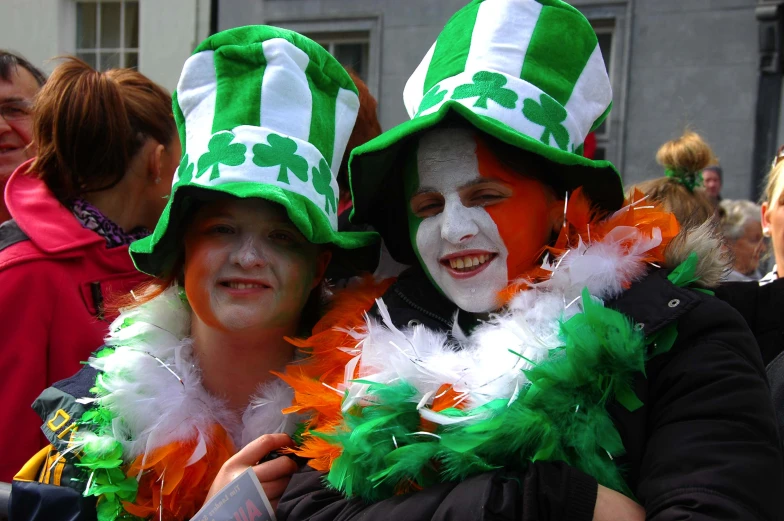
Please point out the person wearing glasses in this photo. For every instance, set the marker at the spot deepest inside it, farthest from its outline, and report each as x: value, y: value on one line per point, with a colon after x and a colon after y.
x: 20, y: 81
x: 107, y: 149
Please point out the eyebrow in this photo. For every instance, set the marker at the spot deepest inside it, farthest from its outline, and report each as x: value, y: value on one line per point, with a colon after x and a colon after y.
x: 469, y: 184
x: 12, y: 98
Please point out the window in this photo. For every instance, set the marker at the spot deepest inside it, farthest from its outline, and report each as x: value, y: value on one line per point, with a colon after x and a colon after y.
x: 351, y: 49
x: 107, y: 33
x: 604, y: 32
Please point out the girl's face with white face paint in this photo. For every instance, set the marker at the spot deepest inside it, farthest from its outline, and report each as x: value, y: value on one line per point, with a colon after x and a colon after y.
x: 247, y: 266
x: 475, y: 223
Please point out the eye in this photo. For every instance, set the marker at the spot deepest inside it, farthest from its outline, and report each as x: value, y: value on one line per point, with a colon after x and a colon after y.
x: 486, y: 197
x: 221, y: 229
x: 282, y: 236
x: 427, y: 205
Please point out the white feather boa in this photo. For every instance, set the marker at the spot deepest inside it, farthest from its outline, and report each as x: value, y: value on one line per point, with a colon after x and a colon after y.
x: 155, y: 389
x: 489, y: 364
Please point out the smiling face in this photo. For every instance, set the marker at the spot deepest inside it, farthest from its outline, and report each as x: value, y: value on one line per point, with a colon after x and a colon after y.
x: 475, y: 223
x: 16, y: 132
x: 248, y: 268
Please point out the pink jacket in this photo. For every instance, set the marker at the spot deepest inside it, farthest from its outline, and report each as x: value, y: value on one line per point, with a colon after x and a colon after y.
x: 52, y: 286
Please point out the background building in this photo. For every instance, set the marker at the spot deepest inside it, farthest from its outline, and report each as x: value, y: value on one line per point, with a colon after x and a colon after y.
x: 673, y: 63
x: 157, y: 36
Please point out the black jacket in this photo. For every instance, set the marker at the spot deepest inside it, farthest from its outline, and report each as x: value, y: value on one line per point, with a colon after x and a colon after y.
x: 762, y: 307
x: 703, y: 447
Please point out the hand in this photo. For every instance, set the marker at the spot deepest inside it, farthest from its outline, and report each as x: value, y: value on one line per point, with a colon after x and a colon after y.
x: 613, y: 506
x: 274, y: 475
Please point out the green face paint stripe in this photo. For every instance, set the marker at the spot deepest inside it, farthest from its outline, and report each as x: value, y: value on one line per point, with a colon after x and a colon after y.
x: 547, y: 47
x: 452, y: 46
x: 239, y: 71
x: 179, y: 120
x: 410, y: 185
x: 322, y: 125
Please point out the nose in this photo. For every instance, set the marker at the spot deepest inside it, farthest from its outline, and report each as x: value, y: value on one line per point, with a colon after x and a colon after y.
x: 249, y: 254
x: 4, y: 125
x: 458, y: 222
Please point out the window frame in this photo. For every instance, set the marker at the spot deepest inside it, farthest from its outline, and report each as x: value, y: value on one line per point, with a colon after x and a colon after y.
x: 122, y: 51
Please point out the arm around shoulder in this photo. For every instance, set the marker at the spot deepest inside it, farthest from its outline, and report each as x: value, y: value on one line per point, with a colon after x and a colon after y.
x: 547, y: 491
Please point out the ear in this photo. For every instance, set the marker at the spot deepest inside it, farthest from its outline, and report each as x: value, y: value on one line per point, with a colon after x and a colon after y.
x: 322, y: 261
x: 155, y: 159
x: 764, y: 218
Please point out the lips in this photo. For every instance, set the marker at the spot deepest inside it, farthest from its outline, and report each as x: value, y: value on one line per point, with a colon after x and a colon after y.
x: 246, y: 285
x: 467, y: 264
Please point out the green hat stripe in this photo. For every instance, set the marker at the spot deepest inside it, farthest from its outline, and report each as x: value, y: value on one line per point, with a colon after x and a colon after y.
x: 239, y: 70
x: 452, y: 46
x: 324, y: 93
x: 547, y: 46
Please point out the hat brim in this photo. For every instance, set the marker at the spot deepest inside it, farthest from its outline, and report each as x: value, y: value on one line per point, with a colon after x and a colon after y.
x: 158, y: 253
x: 378, y: 194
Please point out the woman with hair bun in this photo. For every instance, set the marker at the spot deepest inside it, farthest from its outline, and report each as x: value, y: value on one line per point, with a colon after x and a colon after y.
x: 683, y: 160
x: 107, y: 152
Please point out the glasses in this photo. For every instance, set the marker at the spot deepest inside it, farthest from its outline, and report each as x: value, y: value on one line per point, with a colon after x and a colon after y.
x: 779, y: 156
x: 16, y: 110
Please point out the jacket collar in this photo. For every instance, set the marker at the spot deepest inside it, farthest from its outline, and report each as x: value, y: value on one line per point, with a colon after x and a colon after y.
x: 48, y: 224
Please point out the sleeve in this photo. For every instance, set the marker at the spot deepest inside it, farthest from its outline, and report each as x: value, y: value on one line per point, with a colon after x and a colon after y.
x: 26, y: 310
x: 547, y: 491
x: 712, y: 450
x: 39, y: 494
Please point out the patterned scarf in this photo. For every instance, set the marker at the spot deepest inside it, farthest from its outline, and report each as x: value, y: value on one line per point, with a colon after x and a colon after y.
x: 91, y: 218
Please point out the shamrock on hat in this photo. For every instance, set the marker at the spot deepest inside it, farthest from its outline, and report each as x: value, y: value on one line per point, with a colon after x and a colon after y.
x: 527, y: 72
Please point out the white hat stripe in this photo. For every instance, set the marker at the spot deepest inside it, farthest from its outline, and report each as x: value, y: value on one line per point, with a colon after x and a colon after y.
x: 345, y: 115
x: 286, y: 100
x: 196, y: 94
x: 415, y: 86
x: 590, y: 96
x: 501, y: 36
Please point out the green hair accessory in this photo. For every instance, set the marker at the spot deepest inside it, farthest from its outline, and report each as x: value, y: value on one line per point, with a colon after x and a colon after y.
x: 690, y: 180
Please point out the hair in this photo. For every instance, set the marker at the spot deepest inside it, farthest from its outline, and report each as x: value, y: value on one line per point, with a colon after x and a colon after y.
x: 689, y: 155
x: 89, y: 125
x: 735, y: 215
x: 366, y: 128
x: 10, y: 61
x: 773, y: 185
x: 715, y: 168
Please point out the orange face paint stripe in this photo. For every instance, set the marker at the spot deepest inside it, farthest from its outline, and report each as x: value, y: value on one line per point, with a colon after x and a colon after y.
x: 522, y: 219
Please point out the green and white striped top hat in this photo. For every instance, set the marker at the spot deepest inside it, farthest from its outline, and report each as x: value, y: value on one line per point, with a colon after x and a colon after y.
x: 528, y: 72
x: 261, y: 112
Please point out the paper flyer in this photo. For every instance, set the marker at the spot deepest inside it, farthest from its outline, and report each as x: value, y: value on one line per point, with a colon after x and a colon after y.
x: 241, y: 500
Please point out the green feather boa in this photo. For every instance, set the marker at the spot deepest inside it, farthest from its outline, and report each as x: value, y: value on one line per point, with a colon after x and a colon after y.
x: 560, y: 416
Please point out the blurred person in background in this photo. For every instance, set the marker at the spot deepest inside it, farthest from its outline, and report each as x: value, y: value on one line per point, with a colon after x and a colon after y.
x: 711, y: 182
x: 19, y: 83
x: 761, y: 302
x: 683, y: 159
x: 107, y: 150
x: 740, y: 225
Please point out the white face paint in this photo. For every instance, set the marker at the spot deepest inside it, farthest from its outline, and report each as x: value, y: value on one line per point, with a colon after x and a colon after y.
x: 459, y: 235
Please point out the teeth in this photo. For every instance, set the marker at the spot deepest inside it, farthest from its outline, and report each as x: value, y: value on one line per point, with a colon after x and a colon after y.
x: 242, y: 285
x: 468, y: 262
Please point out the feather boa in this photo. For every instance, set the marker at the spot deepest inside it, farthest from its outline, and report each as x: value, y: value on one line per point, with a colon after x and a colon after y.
x: 154, y: 429
x: 401, y: 409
